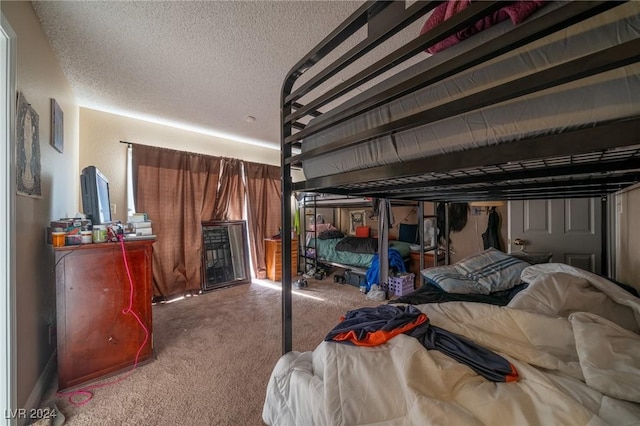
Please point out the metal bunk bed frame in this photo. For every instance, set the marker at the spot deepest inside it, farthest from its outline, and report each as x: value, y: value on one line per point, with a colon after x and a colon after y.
x: 585, y: 162
x: 310, y: 201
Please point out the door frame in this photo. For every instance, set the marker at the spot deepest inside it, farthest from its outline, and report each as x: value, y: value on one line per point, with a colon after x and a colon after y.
x: 8, y: 381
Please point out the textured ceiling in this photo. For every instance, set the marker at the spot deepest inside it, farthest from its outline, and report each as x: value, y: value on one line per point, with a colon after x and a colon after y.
x: 204, y: 65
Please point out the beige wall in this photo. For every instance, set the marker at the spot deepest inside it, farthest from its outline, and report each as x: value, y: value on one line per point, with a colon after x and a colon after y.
x: 628, y: 237
x: 469, y: 240
x: 101, y: 133
x: 40, y: 78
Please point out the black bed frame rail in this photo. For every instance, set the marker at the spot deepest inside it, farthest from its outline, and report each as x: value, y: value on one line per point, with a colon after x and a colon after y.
x: 384, y: 19
x: 519, y: 36
x: 598, y: 139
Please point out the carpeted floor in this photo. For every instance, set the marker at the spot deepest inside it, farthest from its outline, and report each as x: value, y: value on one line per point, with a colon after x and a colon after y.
x: 215, y: 353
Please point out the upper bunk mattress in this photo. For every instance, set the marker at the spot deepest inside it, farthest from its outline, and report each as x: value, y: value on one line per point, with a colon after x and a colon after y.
x: 607, y: 96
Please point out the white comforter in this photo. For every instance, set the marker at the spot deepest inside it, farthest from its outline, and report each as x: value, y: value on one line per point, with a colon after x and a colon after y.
x: 572, y: 336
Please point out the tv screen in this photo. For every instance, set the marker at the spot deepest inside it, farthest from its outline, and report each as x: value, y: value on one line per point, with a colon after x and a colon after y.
x: 96, y: 203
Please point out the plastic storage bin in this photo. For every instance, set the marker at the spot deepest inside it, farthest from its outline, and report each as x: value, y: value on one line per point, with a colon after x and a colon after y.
x: 401, y: 284
x: 355, y: 279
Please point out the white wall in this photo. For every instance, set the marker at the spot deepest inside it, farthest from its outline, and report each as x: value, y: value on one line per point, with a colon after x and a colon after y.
x: 101, y: 133
x: 628, y: 237
x: 40, y: 78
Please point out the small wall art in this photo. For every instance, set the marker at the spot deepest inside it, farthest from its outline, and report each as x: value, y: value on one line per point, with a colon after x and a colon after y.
x: 57, y: 127
x: 356, y: 218
x: 27, y: 150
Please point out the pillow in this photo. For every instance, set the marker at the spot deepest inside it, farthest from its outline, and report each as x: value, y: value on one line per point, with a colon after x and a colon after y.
x: 482, y: 273
x: 321, y: 227
x: 408, y: 233
x: 448, y: 279
x: 494, y: 269
x: 363, y: 231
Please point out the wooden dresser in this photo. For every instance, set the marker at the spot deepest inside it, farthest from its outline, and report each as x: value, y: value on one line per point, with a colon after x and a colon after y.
x: 414, y: 264
x: 95, y: 339
x: 273, y: 258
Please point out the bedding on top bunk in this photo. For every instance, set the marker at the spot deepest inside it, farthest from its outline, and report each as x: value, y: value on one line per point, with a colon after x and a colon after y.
x: 578, y: 362
x: 607, y: 96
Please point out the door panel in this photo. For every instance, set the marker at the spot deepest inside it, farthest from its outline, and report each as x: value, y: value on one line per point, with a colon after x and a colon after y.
x: 582, y: 261
x: 567, y: 228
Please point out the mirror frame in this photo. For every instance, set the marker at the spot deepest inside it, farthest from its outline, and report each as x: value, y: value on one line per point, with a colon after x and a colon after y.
x: 205, y: 285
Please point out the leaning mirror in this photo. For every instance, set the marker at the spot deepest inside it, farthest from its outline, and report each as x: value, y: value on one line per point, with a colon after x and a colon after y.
x: 225, y: 254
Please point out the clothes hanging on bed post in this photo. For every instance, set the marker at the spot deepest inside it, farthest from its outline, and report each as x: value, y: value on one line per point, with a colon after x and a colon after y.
x: 383, y: 240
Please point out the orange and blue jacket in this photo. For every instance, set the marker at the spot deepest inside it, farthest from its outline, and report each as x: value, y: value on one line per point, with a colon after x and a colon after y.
x: 375, y: 326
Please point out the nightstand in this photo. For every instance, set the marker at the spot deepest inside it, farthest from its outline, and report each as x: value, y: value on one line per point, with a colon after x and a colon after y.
x: 273, y: 258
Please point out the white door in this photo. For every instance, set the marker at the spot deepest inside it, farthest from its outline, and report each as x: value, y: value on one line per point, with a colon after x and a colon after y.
x: 567, y: 228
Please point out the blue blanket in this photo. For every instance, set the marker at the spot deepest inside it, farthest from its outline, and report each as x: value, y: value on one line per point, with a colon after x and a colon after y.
x: 395, y: 261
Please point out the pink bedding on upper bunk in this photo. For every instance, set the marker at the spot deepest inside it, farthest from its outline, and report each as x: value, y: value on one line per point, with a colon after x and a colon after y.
x: 517, y: 11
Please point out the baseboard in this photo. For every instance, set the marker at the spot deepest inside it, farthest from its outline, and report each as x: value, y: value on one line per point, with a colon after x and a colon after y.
x: 41, y: 386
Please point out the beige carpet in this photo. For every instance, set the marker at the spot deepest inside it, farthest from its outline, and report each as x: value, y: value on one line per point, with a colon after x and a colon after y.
x: 215, y: 353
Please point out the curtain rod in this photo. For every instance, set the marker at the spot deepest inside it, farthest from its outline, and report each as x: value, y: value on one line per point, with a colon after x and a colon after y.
x: 294, y: 168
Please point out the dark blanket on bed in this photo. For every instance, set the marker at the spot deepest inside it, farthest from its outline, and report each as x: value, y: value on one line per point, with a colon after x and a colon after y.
x: 431, y: 294
x: 358, y: 245
x: 517, y: 11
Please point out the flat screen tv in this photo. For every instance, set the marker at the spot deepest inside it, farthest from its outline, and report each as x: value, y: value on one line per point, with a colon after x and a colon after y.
x: 96, y: 203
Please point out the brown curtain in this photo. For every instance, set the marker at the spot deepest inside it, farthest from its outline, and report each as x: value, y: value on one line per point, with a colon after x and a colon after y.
x: 178, y: 190
x: 264, y: 209
x: 231, y: 191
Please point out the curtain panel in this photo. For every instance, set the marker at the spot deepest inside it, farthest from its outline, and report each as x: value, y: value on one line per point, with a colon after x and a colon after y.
x: 264, y: 210
x: 178, y: 190
x: 231, y: 192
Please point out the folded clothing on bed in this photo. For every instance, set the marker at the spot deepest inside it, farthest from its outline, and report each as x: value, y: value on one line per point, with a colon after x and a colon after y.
x: 375, y: 326
x: 482, y: 273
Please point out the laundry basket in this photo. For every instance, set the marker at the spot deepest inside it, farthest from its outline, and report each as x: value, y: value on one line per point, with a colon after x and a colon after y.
x: 401, y: 284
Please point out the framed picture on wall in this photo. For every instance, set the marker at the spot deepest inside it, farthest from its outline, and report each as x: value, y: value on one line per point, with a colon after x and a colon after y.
x: 356, y: 218
x: 57, y: 132
x: 27, y: 149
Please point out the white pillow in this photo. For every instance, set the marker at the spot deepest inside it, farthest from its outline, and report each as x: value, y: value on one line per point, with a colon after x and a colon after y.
x: 482, y: 273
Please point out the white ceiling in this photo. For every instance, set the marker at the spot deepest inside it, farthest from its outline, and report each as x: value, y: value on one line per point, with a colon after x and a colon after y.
x: 204, y: 65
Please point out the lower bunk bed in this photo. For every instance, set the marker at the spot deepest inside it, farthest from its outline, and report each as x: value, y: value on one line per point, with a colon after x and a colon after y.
x: 563, y: 349
x: 353, y: 252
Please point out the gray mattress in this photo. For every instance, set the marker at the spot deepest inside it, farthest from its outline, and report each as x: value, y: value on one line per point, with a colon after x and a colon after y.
x: 607, y: 96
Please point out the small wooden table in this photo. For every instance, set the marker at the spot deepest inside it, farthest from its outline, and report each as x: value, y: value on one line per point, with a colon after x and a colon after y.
x: 414, y: 264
